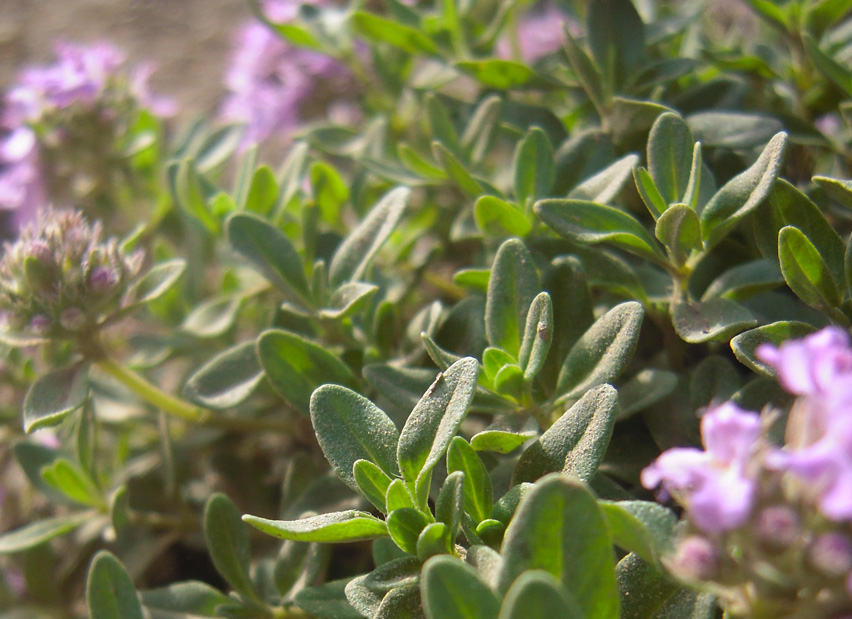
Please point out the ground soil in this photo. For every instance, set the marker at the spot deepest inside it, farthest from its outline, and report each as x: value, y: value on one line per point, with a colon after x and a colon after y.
x: 188, y: 39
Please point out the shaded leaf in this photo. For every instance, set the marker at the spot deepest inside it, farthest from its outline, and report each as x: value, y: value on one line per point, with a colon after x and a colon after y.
x: 227, y: 380
x: 345, y: 526
x: 53, y: 396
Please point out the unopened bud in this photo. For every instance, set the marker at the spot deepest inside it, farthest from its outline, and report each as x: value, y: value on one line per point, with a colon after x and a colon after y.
x: 696, y: 558
x: 40, y: 324
x: 831, y: 553
x: 777, y: 526
x: 72, y: 319
x: 102, y: 279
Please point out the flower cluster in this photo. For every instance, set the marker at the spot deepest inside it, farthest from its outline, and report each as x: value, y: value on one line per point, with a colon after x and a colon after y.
x: 769, y: 526
x: 63, y: 125
x: 270, y: 82
x: 60, y: 279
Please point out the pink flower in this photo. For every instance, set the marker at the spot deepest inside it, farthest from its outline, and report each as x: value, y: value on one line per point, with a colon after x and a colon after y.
x: 539, y: 33
x: 714, y: 484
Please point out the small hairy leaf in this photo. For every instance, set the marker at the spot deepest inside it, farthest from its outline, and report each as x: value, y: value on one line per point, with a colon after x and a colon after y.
x: 110, y: 593
x: 536, y: 594
x: 227, y: 543
x: 53, y: 396
x: 346, y: 526
x: 227, y: 380
x: 452, y: 589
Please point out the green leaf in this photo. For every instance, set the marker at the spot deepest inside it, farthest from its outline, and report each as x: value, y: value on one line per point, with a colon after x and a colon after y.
x: 744, y: 280
x: 329, y: 189
x: 272, y: 253
x: 576, y: 443
x: 647, y: 387
x: 110, y: 593
x: 498, y: 218
x: 775, y: 334
x: 605, y: 185
x: 400, y: 603
x: 456, y: 170
x: 534, y: 166
x: 680, y: 231
x: 649, y: 193
x: 733, y: 130
x: 670, y: 147
x: 218, y: 146
x: 433, y: 540
x: 400, y: 386
x: 452, y: 589
x: 498, y: 73
x: 588, y: 72
x: 805, y: 271
x: 481, y: 131
x: 828, y: 66
x: 372, y: 482
x: 263, y: 191
x: 404, y: 526
x: 449, y: 507
x: 296, y: 367
x: 228, y: 544
x: 616, y: 40
x: 345, y: 526
x: 590, y: 222
x: 603, y: 351
x: 838, y: 190
x: 639, y: 526
x: 536, y: 594
x: 352, y: 257
x: 347, y: 300
x: 350, y: 428
x: 477, y: 487
x: 511, y: 289
x: 327, y: 601
x: 435, y: 420
x: 381, y: 30
x: 398, y: 496
x: 714, y: 320
x: 73, y: 482
x: 558, y: 528
x: 191, y: 597
x: 743, y: 193
x: 500, y: 441
x: 40, y: 531
x: 53, y: 396
x: 155, y: 283
x: 393, y: 574
x: 509, y: 382
x: 227, y: 380
x: 212, y: 318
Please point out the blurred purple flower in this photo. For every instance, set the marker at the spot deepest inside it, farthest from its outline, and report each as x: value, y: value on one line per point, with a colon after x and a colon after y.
x: 818, y: 368
x: 539, y: 33
x: 270, y: 82
x: 715, y: 484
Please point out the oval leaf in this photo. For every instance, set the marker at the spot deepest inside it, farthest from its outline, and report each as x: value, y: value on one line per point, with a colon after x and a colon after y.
x: 53, y: 396
x: 452, y: 589
x: 227, y: 380
x: 346, y: 526
x: 110, y: 593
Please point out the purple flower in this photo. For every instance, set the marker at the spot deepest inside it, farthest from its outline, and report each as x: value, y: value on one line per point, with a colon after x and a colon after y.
x: 715, y: 485
x: 20, y: 180
x: 818, y: 368
x: 269, y: 81
x: 539, y: 33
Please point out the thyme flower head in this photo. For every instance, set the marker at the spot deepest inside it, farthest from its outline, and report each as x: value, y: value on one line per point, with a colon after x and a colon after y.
x: 61, y: 279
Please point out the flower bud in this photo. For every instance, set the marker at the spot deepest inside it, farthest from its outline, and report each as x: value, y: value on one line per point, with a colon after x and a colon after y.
x: 696, y: 558
x: 72, y: 319
x: 777, y: 526
x: 40, y: 324
x: 831, y: 553
x: 102, y: 279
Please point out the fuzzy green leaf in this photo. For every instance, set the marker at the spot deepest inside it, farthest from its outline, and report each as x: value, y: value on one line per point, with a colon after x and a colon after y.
x: 497, y: 218
x: 452, y: 589
x: 590, y: 222
x: 40, y: 531
x: 372, y: 482
x: 616, y: 40
x: 227, y: 543
x: 53, y: 396
x: 714, y: 320
x: 404, y: 526
x: 498, y: 73
x: 534, y: 166
x: 346, y: 526
x: 775, y: 334
x: 477, y: 488
x: 350, y: 428
x: 640, y: 526
x: 536, y: 594
x: 272, y: 253
x: 538, y: 336
x: 670, y: 147
x: 649, y: 193
x: 805, y: 270
x: 155, y: 283
x: 296, y: 366
x: 603, y: 351
x: 382, y: 30
x: 558, y: 528
x: 191, y: 597
x: 352, y: 257
x: 577, y: 442
x: 511, y: 290
x: 680, y: 231
x: 227, y: 380
x: 435, y: 420
x: 743, y: 193
x: 110, y: 593
x: 602, y: 187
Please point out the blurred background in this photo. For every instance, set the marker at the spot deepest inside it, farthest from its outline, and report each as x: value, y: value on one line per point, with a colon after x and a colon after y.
x: 189, y: 40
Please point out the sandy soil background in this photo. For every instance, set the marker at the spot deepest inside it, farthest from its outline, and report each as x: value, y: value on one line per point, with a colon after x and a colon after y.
x: 188, y: 39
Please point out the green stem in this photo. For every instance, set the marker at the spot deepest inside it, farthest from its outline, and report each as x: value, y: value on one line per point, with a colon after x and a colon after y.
x: 153, y: 394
